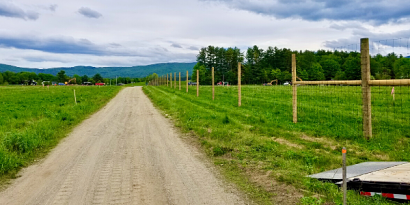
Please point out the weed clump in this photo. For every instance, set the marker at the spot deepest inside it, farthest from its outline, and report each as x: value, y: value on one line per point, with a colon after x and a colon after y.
x: 219, y: 151
x: 225, y: 120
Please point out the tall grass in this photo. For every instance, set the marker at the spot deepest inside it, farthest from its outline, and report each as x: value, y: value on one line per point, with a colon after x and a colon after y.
x: 34, y: 119
x: 261, y: 135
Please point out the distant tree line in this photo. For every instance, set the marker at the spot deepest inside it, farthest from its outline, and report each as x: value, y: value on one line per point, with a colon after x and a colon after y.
x: 262, y: 66
x: 9, y: 77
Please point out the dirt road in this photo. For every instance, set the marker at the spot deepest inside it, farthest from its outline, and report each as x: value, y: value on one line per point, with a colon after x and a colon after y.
x: 127, y: 153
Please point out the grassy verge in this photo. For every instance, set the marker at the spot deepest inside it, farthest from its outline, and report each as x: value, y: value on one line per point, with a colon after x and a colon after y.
x: 34, y: 119
x: 260, y: 139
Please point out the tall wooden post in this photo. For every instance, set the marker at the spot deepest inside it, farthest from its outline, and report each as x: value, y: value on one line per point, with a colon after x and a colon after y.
x: 75, y: 98
x: 197, y: 83
x: 295, y: 90
x: 186, y: 81
x: 179, y: 80
x: 213, y: 84
x: 170, y: 79
x: 239, y: 85
x: 167, y: 80
x: 175, y: 80
x: 366, y: 91
x: 344, y: 176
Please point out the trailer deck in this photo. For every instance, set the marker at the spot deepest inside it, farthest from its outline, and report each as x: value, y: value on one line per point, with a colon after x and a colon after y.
x: 389, y: 179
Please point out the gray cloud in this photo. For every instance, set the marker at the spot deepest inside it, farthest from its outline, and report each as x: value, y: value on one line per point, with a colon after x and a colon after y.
x: 375, y: 11
x: 193, y: 48
x: 115, y: 45
x: 11, y: 10
x: 53, y: 45
x: 87, y: 12
x: 68, y: 45
x: 53, y: 7
x: 176, y: 45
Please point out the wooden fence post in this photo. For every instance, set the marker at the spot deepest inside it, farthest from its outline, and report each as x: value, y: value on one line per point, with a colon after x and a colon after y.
x: 75, y: 98
x: 170, y: 79
x: 179, y: 80
x: 295, y: 90
x: 213, y: 85
x: 366, y: 91
x: 167, y: 80
x: 187, y: 81
x: 197, y: 83
x: 239, y: 85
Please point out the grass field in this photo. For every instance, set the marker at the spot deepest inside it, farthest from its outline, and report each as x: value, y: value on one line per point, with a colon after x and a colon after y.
x: 260, y: 137
x: 34, y: 119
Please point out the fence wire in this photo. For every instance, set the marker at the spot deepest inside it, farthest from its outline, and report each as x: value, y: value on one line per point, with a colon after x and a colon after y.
x: 330, y: 110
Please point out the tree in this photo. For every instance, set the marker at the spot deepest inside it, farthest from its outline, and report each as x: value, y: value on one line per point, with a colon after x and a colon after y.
x: 352, y: 68
x: 402, y: 68
x: 14, y: 79
x: 303, y: 74
x: 61, y: 76
x: 316, y: 72
x: 1, y: 79
x: 84, y: 79
x: 330, y: 68
x: 340, y: 75
x: 202, y: 73
x: 77, y: 79
x: 46, y: 77
x: 98, y: 78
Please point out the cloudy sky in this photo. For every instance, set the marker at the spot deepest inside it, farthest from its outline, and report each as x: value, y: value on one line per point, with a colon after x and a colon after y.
x: 47, y: 33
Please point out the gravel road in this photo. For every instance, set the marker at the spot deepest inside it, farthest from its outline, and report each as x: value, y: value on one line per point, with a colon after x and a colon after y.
x: 127, y: 153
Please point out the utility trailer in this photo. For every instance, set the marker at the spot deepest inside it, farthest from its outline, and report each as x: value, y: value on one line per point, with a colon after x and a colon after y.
x: 389, y: 179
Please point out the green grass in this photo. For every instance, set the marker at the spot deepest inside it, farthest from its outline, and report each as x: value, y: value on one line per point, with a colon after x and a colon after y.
x: 34, y: 119
x: 260, y: 134
x: 137, y: 84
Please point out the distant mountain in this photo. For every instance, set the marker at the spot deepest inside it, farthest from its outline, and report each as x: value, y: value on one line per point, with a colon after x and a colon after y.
x: 110, y: 72
x: 407, y: 57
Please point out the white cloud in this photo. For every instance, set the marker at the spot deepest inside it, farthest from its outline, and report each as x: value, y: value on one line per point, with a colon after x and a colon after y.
x: 155, y: 31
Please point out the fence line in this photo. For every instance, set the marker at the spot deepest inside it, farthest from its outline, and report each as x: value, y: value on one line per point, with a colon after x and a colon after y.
x: 366, y: 83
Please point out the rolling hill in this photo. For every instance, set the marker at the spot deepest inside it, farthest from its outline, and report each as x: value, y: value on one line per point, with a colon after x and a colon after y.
x: 110, y: 72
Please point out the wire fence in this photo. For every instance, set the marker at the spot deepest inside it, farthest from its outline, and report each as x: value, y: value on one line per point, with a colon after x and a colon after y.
x: 329, y: 108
